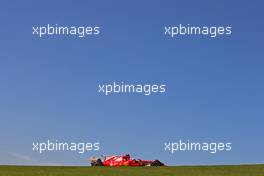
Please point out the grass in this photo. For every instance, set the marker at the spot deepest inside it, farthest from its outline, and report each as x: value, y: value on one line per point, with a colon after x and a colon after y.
x: 237, y: 170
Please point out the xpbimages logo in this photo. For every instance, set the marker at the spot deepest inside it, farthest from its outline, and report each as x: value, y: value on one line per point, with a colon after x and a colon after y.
x: 123, y: 88
x: 193, y: 30
x: 80, y: 147
x: 187, y: 145
x: 78, y: 31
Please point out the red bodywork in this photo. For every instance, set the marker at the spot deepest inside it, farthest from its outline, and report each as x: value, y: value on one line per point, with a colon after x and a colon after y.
x: 124, y: 161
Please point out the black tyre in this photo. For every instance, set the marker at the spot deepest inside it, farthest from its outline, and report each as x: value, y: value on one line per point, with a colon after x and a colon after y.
x: 156, y: 163
x: 98, y: 162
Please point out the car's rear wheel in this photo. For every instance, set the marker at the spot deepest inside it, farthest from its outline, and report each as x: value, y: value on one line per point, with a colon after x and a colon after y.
x: 98, y: 162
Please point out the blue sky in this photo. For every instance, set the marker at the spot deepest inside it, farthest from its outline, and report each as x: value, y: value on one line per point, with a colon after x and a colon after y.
x: 49, y: 86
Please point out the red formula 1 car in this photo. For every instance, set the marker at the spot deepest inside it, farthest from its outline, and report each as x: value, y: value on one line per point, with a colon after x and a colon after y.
x: 124, y: 160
